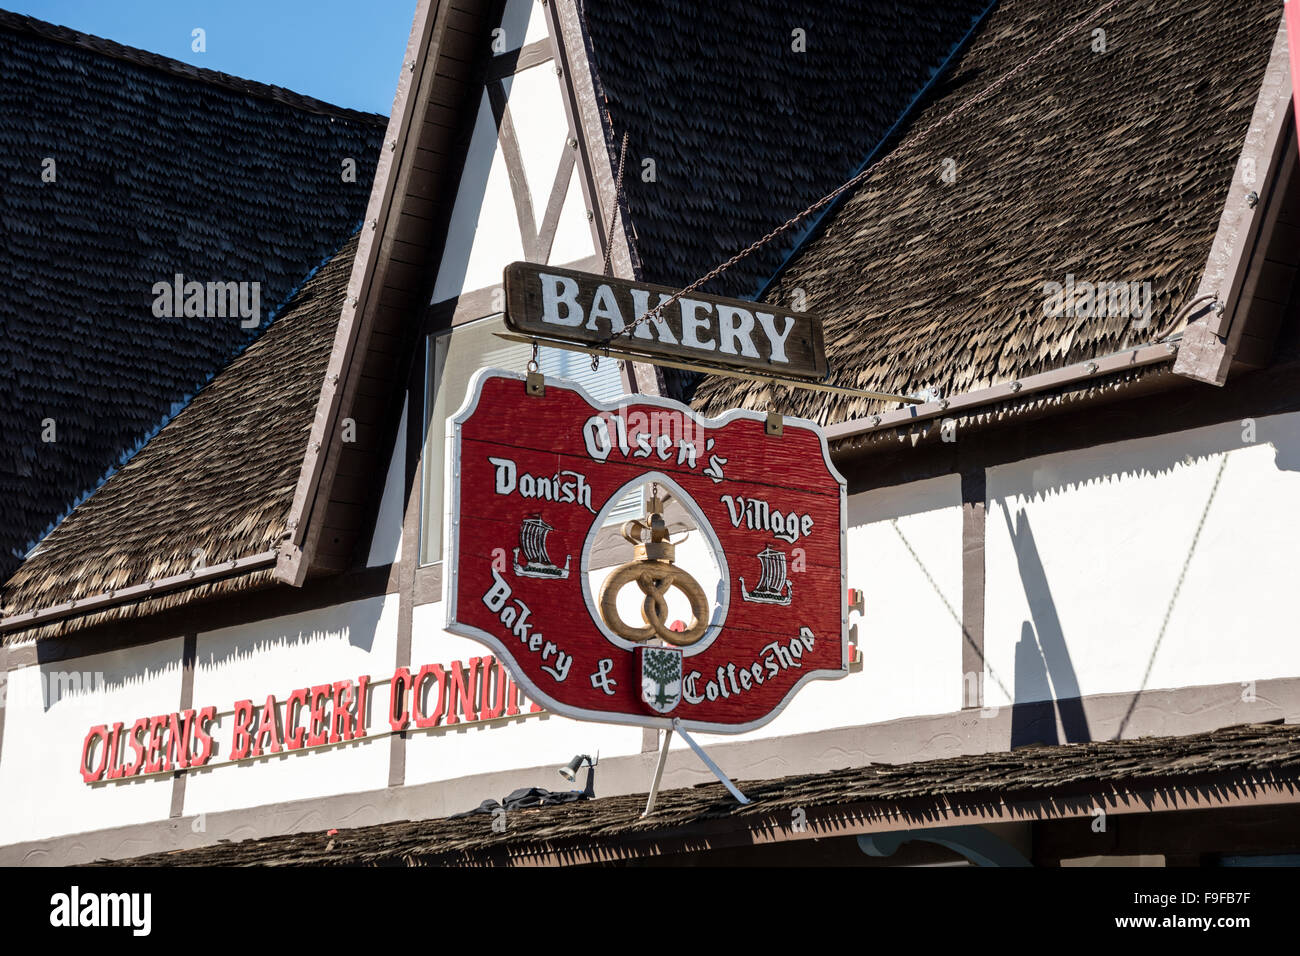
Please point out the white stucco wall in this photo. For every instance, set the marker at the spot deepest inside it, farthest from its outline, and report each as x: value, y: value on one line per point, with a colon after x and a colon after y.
x: 484, y: 234
x: 42, y: 793
x: 444, y: 753
x: 523, y: 22
x: 1085, y: 551
x: 909, y: 637
x: 386, y: 543
x: 276, y: 657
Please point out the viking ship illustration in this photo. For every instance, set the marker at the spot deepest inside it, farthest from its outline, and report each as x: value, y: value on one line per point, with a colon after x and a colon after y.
x: 532, y: 540
x: 773, y: 586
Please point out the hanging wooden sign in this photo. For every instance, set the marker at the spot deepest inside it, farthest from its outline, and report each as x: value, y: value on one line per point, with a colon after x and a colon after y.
x: 589, y: 309
x: 530, y: 481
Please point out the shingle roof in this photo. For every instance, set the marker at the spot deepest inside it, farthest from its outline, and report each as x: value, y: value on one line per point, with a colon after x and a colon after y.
x: 219, y: 477
x: 1109, y: 167
x: 1039, y: 771
x: 160, y: 168
x: 744, y: 129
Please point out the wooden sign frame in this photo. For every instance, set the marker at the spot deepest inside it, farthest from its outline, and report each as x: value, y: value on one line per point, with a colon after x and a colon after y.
x: 491, y: 521
x: 589, y: 310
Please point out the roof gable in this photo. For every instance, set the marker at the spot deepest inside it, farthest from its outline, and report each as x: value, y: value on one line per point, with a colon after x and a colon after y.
x: 1090, y: 167
x: 160, y: 169
x: 210, y: 494
x: 751, y: 112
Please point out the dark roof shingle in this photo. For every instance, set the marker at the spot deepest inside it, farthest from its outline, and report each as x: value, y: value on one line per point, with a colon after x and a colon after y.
x: 745, y: 130
x: 1108, y: 167
x: 219, y: 477
x: 160, y: 168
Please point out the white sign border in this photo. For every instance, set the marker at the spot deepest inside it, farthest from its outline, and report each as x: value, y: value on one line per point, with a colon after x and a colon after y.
x: 451, y: 556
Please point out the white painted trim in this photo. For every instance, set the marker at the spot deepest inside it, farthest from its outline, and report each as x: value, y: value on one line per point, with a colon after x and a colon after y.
x: 967, y: 402
x: 1210, y: 343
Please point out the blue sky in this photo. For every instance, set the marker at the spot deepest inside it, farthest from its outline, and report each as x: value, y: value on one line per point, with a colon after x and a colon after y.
x: 346, y: 52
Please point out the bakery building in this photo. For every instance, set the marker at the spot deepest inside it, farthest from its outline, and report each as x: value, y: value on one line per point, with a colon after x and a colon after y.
x: 1072, y: 241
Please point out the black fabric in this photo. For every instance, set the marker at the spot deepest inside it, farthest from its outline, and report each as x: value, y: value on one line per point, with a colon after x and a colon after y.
x: 527, y: 797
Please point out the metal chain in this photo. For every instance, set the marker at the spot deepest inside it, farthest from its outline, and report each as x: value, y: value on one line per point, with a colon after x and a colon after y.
x: 657, y: 311
x: 613, y: 218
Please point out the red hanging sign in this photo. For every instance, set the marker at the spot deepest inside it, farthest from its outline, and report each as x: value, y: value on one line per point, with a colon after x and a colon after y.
x: 531, y: 480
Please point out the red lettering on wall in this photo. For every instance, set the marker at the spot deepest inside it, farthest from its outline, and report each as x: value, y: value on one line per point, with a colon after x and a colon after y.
x: 317, y: 734
x: 461, y: 705
x: 363, y: 685
x: 154, y: 744
x: 341, y: 721
x: 100, y: 734
x: 266, y: 729
x: 293, y: 734
x: 512, y: 693
x: 115, y: 768
x: 206, y: 746
x: 422, y: 720
x: 493, y: 675
x: 133, y: 738
x: 179, y: 730
x: 337, y: 713
x: 240, y: 739
x: 401, y: 683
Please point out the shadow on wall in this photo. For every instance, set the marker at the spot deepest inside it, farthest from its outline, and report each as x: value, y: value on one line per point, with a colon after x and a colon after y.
x: 70, y: 679
x: 359, y: 626
x: 1161, y: 456
x: 119, y: 670
x: 1042, y: 657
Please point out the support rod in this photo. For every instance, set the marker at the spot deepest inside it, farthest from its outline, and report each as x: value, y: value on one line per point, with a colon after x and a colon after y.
x: 713, y: 369
x: 659, y: 773
x: 717, y: 771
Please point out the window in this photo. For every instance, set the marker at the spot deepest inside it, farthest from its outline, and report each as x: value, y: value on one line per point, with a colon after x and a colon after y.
x: 452, y: 358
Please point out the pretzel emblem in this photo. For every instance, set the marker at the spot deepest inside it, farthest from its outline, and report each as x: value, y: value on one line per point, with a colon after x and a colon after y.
x: 655, y: 574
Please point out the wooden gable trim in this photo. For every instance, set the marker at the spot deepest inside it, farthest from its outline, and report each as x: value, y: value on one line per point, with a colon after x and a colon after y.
x: 580, y: 107
x: 584, y: 99
x: 515, y: 171
x: 371, y: 353
x: 481, y: 303
x: 1211, y: 341
x: 516, y: 61
x: 538, y: 237
x: 360, y: 302
x: 1271, y: 281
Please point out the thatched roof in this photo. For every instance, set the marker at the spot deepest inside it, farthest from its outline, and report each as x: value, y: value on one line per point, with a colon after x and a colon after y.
x: 702, y: 817
x: 159, y: 168
x: 1106, y: 166
x: 219, y: 477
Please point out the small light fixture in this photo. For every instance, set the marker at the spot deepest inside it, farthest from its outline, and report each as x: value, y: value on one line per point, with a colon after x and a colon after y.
x: 570, y: 772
